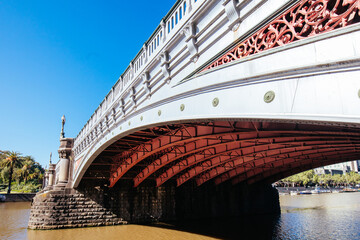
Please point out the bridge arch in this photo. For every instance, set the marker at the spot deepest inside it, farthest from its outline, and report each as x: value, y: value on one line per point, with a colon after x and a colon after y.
x: 234, y: 92
x: 223, y: 150
x: 273, y: 64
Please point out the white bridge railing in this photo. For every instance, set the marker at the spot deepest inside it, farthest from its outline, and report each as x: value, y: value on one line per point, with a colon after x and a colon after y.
x: 185, y: 40
x: 123, y: 96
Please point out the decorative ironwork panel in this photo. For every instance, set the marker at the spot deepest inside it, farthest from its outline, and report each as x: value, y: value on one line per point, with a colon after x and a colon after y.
x: 307, y: 18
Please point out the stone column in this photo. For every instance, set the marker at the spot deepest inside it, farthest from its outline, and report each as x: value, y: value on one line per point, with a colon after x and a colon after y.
x: 51, y: 175
x: 64, y: 151
x: 46, y: 179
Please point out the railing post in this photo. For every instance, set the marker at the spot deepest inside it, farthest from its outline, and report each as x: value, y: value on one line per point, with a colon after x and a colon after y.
x: 132, y: 72
x: 189, y: 6
x: 163, y: 27
x: 146, y: 53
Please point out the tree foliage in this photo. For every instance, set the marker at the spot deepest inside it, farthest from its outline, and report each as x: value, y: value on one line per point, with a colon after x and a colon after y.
x: 19, y: 172
x: 310, y: 178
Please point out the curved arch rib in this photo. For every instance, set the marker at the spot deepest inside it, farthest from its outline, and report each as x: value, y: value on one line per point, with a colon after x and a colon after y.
x: 176, y: 137
x: 242, y: 170
x: 231, y: 162
x: 267, y: 173
x: 218, y: 146
x: 197, y: 143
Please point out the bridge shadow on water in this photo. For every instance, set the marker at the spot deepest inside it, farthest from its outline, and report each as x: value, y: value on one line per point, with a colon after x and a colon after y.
x: 249, y: 227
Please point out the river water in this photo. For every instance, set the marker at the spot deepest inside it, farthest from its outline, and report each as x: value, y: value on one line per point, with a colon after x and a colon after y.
x: 323, y: 216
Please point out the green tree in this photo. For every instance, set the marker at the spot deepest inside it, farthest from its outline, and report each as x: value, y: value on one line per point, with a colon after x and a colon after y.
x: 12, y: 160
x: 26, y: 170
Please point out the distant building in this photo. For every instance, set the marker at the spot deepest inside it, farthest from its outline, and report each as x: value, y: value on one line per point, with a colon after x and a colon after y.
x: 339, y: 168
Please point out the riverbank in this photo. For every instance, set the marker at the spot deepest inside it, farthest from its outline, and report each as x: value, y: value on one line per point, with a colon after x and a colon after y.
x: 312, y: 190
x: 17, y: 197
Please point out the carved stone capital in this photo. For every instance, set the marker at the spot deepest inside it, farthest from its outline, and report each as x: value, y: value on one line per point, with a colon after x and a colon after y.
x: 113, y: 112
x: 189, y: 31
x: 133, y: 97
x: 122, y: 107
x: 164, y: 59
x: 232, y: 14
x: 63, y: 153
x: 146, y: 82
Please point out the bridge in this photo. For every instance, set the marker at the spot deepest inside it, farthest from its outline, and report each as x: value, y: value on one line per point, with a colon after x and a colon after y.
x: 224, y: 95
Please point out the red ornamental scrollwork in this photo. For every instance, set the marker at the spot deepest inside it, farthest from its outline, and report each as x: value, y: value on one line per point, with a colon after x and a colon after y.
x: 305, y: 19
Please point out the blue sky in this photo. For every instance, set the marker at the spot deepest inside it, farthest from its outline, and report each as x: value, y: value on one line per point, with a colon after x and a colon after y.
x: 62, y: 57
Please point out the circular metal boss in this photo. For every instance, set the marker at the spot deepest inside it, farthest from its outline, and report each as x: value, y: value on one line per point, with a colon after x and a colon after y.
x: 269, y: 96
x: 141, y: 118
x: 159, y: 112
x: 215, y: 102
x: 182, y: 107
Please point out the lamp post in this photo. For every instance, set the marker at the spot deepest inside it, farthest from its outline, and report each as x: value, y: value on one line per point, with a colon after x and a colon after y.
x: 62, y: 134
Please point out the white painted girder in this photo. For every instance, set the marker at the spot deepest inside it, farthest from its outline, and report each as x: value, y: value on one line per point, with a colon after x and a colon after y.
x: 314, y: 80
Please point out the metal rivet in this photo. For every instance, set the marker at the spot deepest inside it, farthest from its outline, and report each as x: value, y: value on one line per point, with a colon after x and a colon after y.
x: 129, y: 123
x: 182, y: 107
x: 141, y: 118
x: 159, y: 112
x: 120, y: 128
x: 215, y: 102
x: 359, y: 93
x: 113, y: 133
x: 269, y: 96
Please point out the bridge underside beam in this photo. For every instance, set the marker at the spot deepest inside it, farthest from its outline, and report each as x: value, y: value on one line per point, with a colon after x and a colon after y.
x: 222, y: 151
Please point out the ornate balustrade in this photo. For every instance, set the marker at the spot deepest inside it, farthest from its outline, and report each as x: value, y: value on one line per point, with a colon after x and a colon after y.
x: 123, y: 96
x: 187, y: 41
x: 190, y: 31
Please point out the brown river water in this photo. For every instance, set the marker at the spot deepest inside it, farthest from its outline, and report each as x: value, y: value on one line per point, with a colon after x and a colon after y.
x: 323, y: 216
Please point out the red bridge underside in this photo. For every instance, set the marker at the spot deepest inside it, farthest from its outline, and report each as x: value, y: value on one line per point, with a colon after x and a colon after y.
x: 221, y: 151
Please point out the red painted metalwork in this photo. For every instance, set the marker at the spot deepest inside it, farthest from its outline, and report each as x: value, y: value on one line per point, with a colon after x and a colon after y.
x: 272, y: 175
x: 183, y: 134
x: 249, y: 162
x: 220, y: 150
x: 204, y: 163
x: 305, y: 19
x: 265, y: 173
x: 214, y: 167
x: 217, y: 146
x: 243, y: 173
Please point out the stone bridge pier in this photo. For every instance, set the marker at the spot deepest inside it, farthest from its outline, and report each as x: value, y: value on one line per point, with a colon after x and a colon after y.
x: 224, y: 98
x: 95, y: 204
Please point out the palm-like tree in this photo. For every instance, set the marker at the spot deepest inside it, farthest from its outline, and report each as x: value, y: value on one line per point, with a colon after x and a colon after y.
x: 12, y: 160
x: 27, y: 167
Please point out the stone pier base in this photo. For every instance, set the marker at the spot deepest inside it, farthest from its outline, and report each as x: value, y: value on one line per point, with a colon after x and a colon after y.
x: 68, y: 209
x: 92, y: 205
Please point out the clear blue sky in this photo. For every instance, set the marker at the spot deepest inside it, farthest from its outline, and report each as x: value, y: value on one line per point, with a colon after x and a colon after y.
x: 62, y: 57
